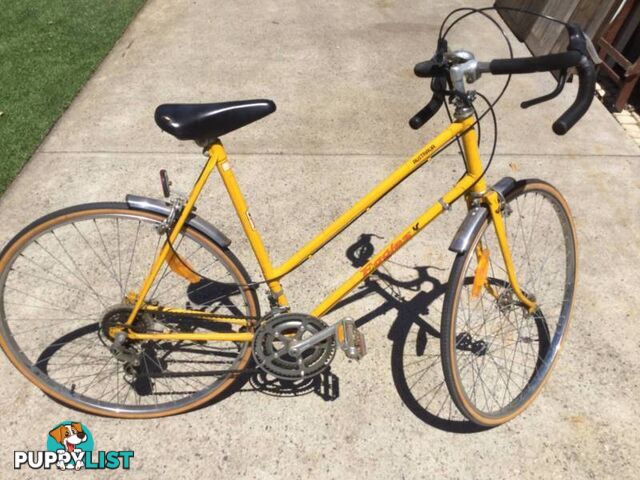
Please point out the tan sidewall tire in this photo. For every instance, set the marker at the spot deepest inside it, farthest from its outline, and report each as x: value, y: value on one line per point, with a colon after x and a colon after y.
x: 230, y: 262
x: 453, y: 381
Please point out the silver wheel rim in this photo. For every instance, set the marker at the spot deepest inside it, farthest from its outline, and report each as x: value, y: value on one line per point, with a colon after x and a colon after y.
x: 502, y: 354
x: 93, y: 376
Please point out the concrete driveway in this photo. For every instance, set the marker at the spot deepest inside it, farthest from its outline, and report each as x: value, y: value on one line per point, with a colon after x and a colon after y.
x: 341, y: 75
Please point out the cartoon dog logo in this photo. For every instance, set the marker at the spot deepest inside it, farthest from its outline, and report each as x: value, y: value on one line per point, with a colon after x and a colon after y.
x: 69, y: 436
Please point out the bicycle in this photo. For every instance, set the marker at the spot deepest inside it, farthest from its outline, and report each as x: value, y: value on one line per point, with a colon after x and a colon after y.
x: 74, y: 324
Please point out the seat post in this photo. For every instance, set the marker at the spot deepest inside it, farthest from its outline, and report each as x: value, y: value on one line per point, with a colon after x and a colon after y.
x: 219, y: 156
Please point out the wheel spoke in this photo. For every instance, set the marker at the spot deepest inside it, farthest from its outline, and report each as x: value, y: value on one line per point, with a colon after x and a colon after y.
x: 494, y: 333
x: 62, y: 285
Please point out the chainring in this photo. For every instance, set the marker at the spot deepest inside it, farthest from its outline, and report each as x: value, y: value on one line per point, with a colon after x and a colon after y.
x: 273, y: 337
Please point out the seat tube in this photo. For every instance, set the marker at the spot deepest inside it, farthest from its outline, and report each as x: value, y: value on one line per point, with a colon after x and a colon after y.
x: 172, y: 236
x: 242, y: 210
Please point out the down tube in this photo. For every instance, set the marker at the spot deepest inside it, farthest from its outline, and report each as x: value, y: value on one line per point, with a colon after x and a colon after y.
x: 423, y: 156
x: 407, y: 234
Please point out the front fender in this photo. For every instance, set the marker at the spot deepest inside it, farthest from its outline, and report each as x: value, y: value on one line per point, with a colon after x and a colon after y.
x: 476, y: 216
x: 136, y: 202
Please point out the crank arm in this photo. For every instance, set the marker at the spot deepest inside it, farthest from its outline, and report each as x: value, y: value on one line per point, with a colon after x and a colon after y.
x: 297, y: 348
x: 347, y: 336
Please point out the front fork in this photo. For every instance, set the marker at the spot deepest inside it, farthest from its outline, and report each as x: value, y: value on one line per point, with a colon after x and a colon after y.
x: 495, y: 206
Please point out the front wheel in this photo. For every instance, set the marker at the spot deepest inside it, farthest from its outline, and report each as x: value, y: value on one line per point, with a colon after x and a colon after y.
x: 496, y: 355
x: 66, y: 279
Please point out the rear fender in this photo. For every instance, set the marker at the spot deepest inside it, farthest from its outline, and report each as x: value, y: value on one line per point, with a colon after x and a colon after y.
x: 136, y: 202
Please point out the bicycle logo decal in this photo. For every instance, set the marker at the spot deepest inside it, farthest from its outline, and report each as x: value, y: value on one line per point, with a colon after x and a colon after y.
x: 70, y: 446
x: 370, y: 267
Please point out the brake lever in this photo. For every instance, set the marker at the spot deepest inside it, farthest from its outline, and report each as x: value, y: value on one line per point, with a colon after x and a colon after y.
x: 591, y: 50
x: 580, y: 41
x: 535, y: 101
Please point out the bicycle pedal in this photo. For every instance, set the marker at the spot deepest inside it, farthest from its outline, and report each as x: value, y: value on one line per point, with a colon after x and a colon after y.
x: 350, y: 339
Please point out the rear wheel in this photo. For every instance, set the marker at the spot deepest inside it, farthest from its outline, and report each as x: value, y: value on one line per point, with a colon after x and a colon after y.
x: 496, y: 355
x: 64, y: 282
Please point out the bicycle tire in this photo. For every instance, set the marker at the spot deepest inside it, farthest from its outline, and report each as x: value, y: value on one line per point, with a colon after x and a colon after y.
x: 460, y: 349
x: 33, y: 371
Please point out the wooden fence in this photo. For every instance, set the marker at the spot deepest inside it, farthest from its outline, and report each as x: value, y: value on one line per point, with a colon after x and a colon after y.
x: 542, y: 36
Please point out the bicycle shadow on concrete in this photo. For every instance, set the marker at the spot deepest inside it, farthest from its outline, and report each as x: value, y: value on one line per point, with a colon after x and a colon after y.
x: 415, y: 354
x: 155, y: 362
x: 415, y: 357
x: 415, y: 336
x: 326, y: 385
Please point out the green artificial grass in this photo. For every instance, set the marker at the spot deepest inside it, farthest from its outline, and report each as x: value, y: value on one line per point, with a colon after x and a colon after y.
x: 48, y: 50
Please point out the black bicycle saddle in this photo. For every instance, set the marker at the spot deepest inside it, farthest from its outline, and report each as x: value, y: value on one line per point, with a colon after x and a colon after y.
x: 208, y: 121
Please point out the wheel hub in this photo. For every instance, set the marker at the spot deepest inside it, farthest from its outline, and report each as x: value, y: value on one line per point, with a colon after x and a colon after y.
x: 112, y: 330
x: 115, y: 318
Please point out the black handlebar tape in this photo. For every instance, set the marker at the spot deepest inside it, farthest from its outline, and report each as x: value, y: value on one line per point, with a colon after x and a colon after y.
x: 545, y: 63
x: 429, y: 69
x: 423, y: 69
x: 424, y: 115
x: 586, y: 91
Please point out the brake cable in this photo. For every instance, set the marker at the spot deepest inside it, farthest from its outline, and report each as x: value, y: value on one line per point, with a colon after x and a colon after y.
x: 490, y: 105
x: 478, y: 117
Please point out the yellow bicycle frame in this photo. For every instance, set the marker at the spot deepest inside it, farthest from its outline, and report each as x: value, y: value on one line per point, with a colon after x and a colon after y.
x: 469, y: 184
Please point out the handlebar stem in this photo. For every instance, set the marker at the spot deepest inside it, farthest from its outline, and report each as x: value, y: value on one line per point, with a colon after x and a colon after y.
x: 463, y: 68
